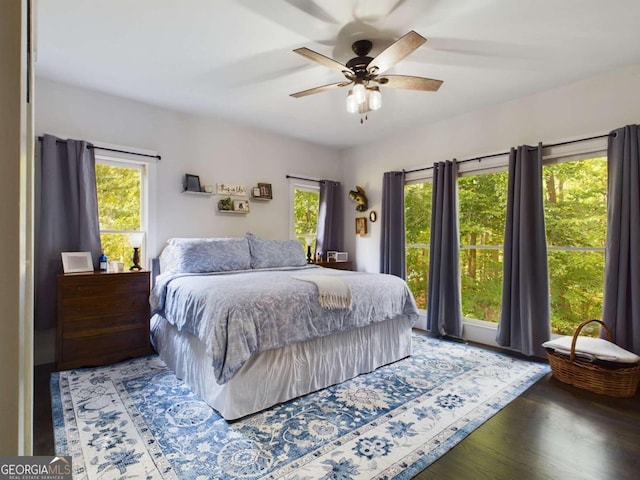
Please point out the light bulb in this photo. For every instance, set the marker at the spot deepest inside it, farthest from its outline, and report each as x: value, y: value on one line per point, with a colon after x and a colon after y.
x: 352, y: 105
x: 375, y: 98
x: 360, y: 93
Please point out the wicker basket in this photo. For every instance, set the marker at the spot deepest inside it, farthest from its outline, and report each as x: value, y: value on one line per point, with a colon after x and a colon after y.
x: 615, y: 382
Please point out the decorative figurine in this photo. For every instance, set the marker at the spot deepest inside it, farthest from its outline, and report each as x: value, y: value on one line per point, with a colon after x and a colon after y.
x: 360, y: 198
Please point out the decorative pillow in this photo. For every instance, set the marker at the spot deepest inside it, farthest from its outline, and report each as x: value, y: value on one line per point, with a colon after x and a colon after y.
x: 211, y: 255
x: 275, y: 253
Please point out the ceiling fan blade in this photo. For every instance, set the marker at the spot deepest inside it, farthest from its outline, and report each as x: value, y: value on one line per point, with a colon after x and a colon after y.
x: 314, y: 10
x: 321, y: 59
x: 410, y: 83
x: 396, y: 52
x: 323, y: 88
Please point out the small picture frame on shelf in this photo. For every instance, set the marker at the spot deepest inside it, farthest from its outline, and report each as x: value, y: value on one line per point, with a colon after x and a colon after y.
x: 241, y: 206
x: 265, y: 190
x: 77, y: 262
x: 256, y: 192
x: 361, y: 225
x: 192, y: 183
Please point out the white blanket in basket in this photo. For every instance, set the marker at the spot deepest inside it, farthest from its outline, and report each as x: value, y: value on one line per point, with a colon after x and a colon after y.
x: 592, y: 349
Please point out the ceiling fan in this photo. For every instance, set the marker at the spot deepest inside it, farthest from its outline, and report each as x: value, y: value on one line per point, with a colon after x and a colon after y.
x: 366, y: 74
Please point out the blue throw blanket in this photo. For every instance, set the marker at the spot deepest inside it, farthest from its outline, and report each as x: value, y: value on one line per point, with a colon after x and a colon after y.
x: 235, y: 314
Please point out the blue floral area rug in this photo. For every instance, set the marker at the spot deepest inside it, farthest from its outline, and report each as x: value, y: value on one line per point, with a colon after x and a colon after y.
x: 137, y: 420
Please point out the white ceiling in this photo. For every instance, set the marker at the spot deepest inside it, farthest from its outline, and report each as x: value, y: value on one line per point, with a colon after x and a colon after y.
x: 234, y: 59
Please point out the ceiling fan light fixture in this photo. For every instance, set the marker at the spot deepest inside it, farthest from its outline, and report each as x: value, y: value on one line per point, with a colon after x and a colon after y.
x: 363, y: 72
x: 360, y: 93
x: 352, y: 104
x: 375, y: 98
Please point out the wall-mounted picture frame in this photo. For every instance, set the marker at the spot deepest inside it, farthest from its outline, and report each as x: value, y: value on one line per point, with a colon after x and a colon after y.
x: 192, y: 183
x: 73, y: 262
x: 241, y: 206
x: 373, y: 216
x: 265, y: 190
x: 256, y: 192
x: 229, y: 189
x: 361, y: 225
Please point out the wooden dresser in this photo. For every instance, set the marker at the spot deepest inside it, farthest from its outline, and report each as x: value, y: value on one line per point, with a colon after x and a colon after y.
x: 102, y: 318
x: 337, y: 265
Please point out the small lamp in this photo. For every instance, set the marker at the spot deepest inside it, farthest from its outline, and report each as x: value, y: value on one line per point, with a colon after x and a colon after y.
x: 135, y: 239
x: 308, y: 239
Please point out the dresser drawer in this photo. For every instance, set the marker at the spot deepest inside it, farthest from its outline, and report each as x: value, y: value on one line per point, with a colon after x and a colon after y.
x: 80, y: 308
x: 92, y: 326
x: 102, y: 349
x: 111, y: 284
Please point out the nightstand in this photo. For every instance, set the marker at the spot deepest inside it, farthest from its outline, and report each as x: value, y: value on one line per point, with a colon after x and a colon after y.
x: 102, y: 318
x: 337, y: 265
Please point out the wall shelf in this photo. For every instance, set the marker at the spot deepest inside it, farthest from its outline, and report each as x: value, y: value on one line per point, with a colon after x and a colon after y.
x: 233, y: 211
x: 197, y: 194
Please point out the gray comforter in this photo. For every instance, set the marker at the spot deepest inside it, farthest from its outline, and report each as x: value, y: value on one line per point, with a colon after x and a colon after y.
x: 238, y: 313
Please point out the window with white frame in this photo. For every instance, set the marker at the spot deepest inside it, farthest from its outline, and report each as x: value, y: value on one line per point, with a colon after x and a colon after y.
x: 575, y: 218
x: 122, y: 206
x: 305, y: 201
x: 482, y: 207
x: 417, y: 204
x: 575, y: 199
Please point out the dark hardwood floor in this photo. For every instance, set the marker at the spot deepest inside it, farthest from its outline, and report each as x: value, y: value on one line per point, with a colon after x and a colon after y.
x: 42, y: 419
x: 552, y: 431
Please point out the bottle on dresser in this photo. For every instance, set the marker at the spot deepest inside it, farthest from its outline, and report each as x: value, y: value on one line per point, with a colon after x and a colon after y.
x: 103, y: 262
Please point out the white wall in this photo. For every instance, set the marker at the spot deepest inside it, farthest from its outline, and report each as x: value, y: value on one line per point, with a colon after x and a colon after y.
x: 589, y: 107
x: 216, y: 150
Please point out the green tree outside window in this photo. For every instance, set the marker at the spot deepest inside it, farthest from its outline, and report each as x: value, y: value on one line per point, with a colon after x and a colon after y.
x: 119, y: 208
x: 575, y: 218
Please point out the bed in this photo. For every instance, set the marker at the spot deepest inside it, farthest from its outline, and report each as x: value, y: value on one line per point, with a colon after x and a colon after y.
x: 246, y: 323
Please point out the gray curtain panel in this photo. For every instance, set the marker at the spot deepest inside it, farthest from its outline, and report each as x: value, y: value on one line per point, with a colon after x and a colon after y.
x: 66, y: 216
x: 621, y: 309
x: 444, y: 305
x: 329, y: 236
x: 392, y: 256
x: 525, y: 319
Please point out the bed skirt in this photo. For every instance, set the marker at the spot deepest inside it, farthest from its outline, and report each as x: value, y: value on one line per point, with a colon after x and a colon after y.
x: 285, y: 373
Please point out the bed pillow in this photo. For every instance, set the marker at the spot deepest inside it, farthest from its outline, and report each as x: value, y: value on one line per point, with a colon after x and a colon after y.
x: 211, y: 255
x: 275, y: 253
x: 179, y: 240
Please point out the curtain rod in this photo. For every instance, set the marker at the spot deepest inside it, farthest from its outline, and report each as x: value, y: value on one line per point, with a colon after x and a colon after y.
x: 307, y: 179
x: 479, y: 159
x: 111, y: 149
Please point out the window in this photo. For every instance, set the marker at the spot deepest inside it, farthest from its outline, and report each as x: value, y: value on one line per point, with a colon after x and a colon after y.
x: 417, y: 204
x: 121, y: 206
x: 576, y: 223
x: 575, y: 217
x: 306, y: 201
x: 482, y: 206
